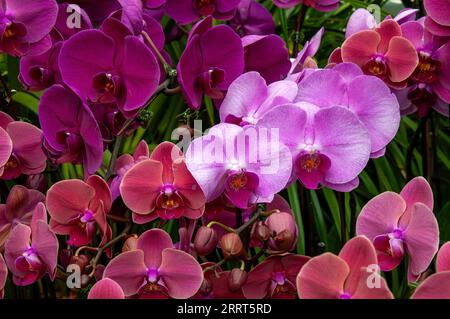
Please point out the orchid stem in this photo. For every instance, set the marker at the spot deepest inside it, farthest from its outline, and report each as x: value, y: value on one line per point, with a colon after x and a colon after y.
x: 114, y: 155
x: 158, y: 54
x: 412, y: 145
x: 298, y: 28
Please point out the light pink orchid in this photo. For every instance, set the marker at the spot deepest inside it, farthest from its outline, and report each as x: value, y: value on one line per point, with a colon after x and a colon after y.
x: 156, y: 269
x: 106, y: 289
x: 78, y: 208
x: 3, y: 275
x: 32, y: 251
x: 400, y: 224
x: 382, y: 52
x: 23, y: 146
x: 18, y: 208
x: 437, y: 286
x: 345, y: 276
x: 162, y: 187
x: 274, y: 277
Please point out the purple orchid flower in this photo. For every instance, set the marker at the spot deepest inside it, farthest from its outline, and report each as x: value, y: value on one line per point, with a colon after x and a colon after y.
x: 252, y: 18
x: 188, y: 11
x: 366, y: 96
x: 126, y: 73
x: 32, y: 251
x: 304, y: 59
x: 26, y: 156
x: 400, y: 224
x: 319, y: 5
x: 39, y: 72
x: 155, y: 268
x: 98, y: 10
x: 437, y: 21
x: 249, y: 98
x: 242, y: 163
x: 18, y: 208
x: 273, y: 67
x: 212, y: 60
x: 3, y: 276
x: 430, y: 82
x: 5, y: 149
x: 70, y: 129
x: 66, y: 26
x: 25, y: 26
x: 329, y: 154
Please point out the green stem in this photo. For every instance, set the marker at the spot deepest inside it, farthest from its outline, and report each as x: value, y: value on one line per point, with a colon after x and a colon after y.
x: 115, y: 153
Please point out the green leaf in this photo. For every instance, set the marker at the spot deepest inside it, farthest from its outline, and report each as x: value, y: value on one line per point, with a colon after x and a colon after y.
x: 333, y: 205
x: 295, y: 205
x: 26, y: 100
x: 319, y: 218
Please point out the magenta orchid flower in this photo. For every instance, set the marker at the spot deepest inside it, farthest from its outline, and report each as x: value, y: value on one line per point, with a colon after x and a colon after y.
x: 382, y: 52
x: 26, y: 156
x: 437, y: 286
x: 70, y: 129
x: 188, y: 11
x: 319, y: 5
x: 106, y: 289
x: 437, y: 21
x: 98, y: 10
x: 25, y: 26
x: 230, y: 160
x: 32, y: 251
x: 3, y: 276
x: 252, y: 18
x: 79, y: 208
x: 162, y: 187
x: 39, y: 72
x: 127, y: 72
x: 274, y: 277
x: 273, y: 67
x: 18, y: 208
x: 331, y: 155
x: 155, y: 267
x: 430, y: 82
x: 5, y: 149
x: 212, y: 60
x: 366, y: 96
x: 249, y: 98
x: 124, y: 163
x: 402, y: 224
x: 345, y: 276
x: 64, y: 30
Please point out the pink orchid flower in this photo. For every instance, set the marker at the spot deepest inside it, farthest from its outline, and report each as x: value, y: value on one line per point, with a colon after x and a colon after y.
x: 382, y: 52
x: 31, y: 252
x: 162, y: 187
x: 155, y: 268
x: 24, y: 147
x: 345, y: 276
x: 3, y: 276
x: 124, y: 163
x: 437, y: 21
x: 437, y: 286
x: 400, y: 224
x: 216, y: 284
x: 106, y: 289
x: 274, y: 277
x: 18, y: 208
x: 77, y: 207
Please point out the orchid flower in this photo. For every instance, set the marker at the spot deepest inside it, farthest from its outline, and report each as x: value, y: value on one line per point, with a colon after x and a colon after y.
x: 155, y: 267
x: 402, y: 224
x: 252, y: 18
x: 78, y: 208
x: 345, y: 276
x: 106, y: 289
x: 3, y: 276
x: 32, y: 251
x: 162, y: 187
x: 319, y: 5
x: 437, y: 20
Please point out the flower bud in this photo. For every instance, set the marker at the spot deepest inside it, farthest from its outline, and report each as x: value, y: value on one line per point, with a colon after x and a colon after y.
x: 231, y: 245
x: 37, y: 182
x: 205, y: 241
x: 262, y: 232
x: 81, y: 260
x: 284, y: 240
x: 206, y: 287
x: 85, y: 280
x: 237, y: 279
x: 130, y: 244
x: 284, y: 231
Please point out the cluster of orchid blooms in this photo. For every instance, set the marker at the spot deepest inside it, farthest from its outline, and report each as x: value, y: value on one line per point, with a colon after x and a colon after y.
x: 282, y: 120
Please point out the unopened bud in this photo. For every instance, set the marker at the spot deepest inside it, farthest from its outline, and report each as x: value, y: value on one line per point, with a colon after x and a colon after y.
x: 85, y: 280
x: 237, y: 279
x: 130, y: 244
x: 284, y: 240
x: 231, y: 245
x: 262, y: 232
x: 205, y: 241
x: 81, y: 260
x: 206, y: 287
x: 37, y: 182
